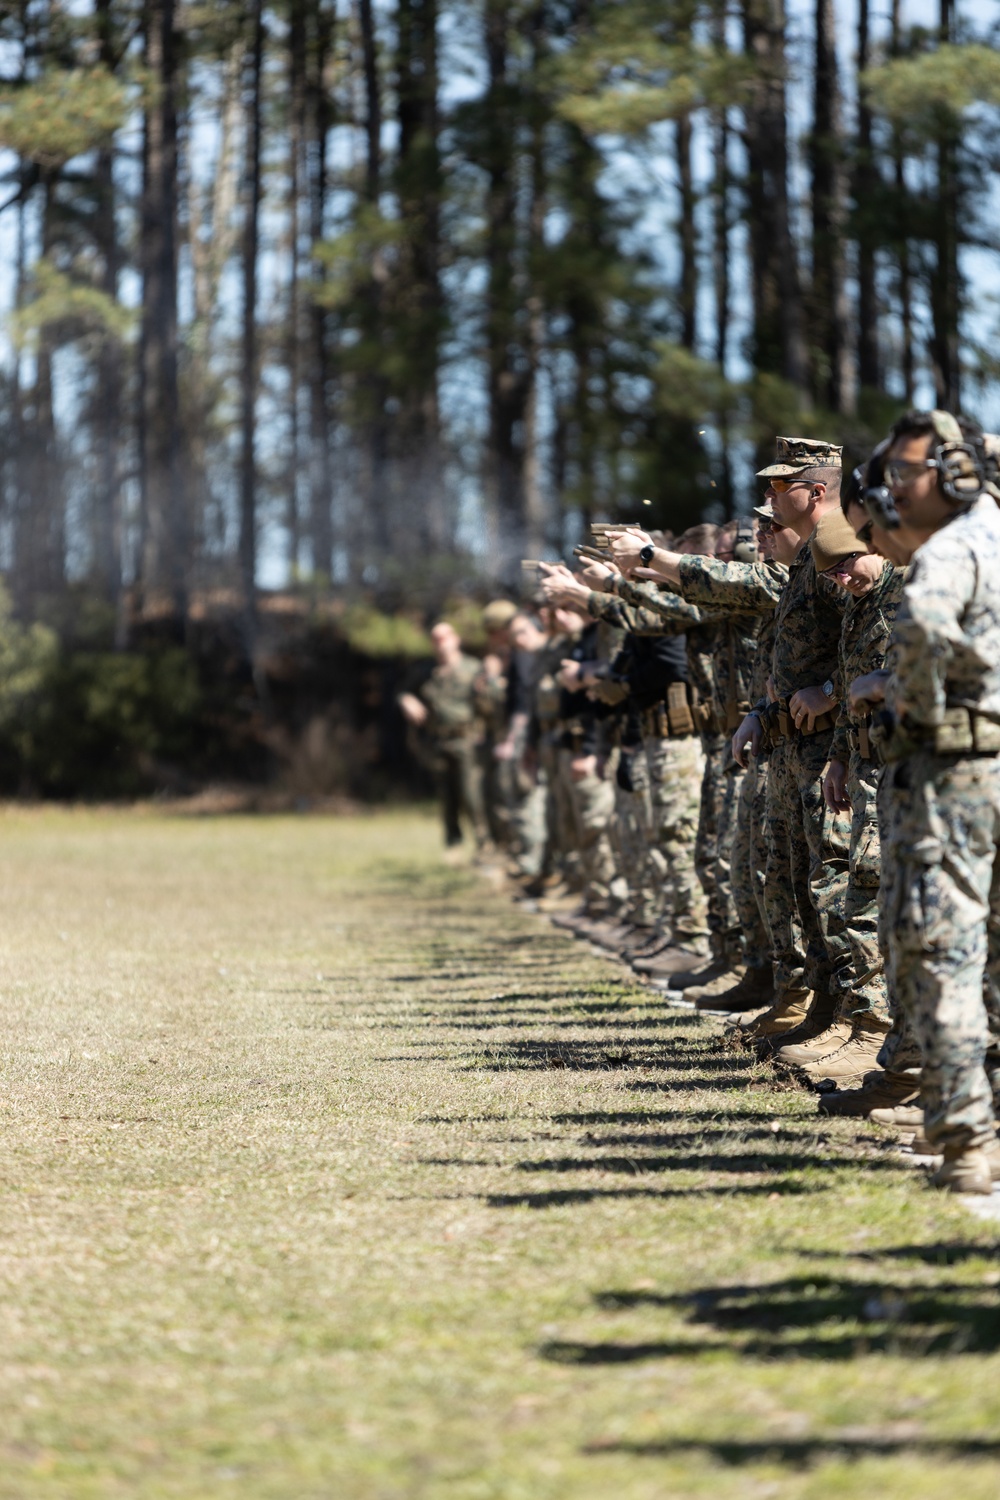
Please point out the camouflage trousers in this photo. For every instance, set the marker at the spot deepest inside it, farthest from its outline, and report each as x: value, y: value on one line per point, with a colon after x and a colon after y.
x: 900, y: 1051
x: 459, y: 782
x: 561, y: 853
x: 863, y: 984
x: 675, y: 768
x: 747, y: 863
x: 716, y: 827
x: 807, y: 867
x: 944, y: 924
x: 593, y: 801
x: 632, y: 819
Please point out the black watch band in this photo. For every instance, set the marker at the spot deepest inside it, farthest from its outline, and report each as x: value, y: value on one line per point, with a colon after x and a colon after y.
x: 646, y: 554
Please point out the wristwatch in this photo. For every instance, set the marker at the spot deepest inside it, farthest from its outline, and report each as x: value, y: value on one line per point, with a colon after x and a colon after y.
x: 828, y: 689
x: 646, y: 554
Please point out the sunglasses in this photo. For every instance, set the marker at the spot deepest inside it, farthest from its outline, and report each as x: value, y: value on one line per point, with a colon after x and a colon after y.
x: 764, y: 528
x: 898, y: 474
x: 782, y: 486
x: 842, y: 565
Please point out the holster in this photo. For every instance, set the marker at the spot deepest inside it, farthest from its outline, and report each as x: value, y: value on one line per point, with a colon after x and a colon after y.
x: 679, y: 716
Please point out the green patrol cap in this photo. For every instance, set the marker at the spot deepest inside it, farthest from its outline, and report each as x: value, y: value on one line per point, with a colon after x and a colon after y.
x: 792, y: 455
x: 498, y: 614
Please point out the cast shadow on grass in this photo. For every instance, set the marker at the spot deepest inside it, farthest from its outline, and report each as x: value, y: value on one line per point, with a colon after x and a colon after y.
x: 802, y: 1453
x: 582, y: 1053
x: 941, y: 1254
x: 719, y: 1161
x: 559, y: 1197
x: 824, y: 1318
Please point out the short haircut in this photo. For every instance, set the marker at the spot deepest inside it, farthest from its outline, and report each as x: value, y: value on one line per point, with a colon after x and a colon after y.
x: 702, y: 537
x: 821, y: 474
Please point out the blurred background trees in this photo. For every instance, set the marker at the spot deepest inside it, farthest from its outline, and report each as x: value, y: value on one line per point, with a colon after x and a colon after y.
x: 365, y: 298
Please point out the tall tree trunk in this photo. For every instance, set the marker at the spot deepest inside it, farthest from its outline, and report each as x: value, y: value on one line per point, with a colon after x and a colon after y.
x: 503, y: 455
x: 688, y: 298
x: 165, y: 544
x: 721, y: 268
x: 777, y: 338
x: 297, y: 127
x: 249, y: 357
x: 110, y: 373
x: 374, y: 417
x: 537, y: 525
x: 834, y: 372
x: 945, y: 280
x: 905, y: 270
x: 420, y: 186
x: 320, y: 415
x: 867, y: 183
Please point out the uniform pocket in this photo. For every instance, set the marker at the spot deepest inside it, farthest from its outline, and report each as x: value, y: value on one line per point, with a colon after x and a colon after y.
x: 866, y: 857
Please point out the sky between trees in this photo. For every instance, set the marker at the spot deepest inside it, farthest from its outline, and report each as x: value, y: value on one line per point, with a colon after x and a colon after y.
x: 361, y: 295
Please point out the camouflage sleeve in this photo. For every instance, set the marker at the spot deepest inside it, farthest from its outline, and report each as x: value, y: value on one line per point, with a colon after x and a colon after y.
x: 612, y: 610
x: 674, y: 613
x: 840, y: 745
x: 750, y: 588
x: 928, y: 628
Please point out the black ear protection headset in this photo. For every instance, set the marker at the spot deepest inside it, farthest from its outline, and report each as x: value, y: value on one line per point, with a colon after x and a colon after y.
x: 745, y: 541
x: 959, y: 462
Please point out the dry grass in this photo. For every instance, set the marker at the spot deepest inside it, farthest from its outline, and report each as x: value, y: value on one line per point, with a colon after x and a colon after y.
x: 326, y: 1173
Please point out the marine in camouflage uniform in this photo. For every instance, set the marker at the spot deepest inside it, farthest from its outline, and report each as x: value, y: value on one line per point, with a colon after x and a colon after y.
x: 864, y: 640
x: 747, y: 594
x: 584, y: 739
x: 943, y: 784
x: 454, y: 729
x: 668, y: 894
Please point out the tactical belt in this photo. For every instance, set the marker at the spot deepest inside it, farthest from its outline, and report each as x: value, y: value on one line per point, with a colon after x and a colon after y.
x: 962, y: 731
x: 672, y: 720
x: 705, y: 718
x: 783, y: 725
x: 860, y: 739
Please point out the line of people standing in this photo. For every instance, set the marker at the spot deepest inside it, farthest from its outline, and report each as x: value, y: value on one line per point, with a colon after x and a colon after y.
x: 763, y: 760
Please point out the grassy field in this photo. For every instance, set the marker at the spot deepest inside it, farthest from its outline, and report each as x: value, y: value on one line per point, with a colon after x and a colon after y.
x: 327, y: 1172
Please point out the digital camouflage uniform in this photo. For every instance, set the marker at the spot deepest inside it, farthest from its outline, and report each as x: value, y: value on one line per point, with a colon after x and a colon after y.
x: 747, y: 594
x: 454, y: 729
x: 559, y: 853
x: 864, y: 639
x: 668, y: 891
x: 808, y: 847
x: 592, y: 796
x: 944, y: 815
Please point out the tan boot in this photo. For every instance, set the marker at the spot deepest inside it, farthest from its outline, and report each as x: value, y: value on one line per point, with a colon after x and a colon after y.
x: 815, y: 1021
x: 723, y: 982
x: 880, y: 1090
x: 854, y: 1059
x: 673, y: 960
x: 784, y: 1015
x: 828, y: 1041
x: 972, y: 1170
x: 901, y: 1115
x: 753, y: 991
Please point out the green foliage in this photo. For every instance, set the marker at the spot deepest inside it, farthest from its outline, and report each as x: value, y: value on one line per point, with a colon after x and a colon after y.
x: 374, y: 633
x: 62, y: 114
x: 27, y: 657
x: 914, y: 92
x: 72, y: 305
x: 93, y: 723
x: 688, y: 388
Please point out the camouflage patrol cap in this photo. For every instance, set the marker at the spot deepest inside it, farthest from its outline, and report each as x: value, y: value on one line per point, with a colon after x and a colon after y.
x: 765, y: 511
x: 498, y: 614
x: 793, y: 455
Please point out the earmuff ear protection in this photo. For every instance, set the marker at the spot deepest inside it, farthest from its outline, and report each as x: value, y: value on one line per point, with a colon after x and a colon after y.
x: 876, y: 497
x: 960, y: 465
x: 745, y: 542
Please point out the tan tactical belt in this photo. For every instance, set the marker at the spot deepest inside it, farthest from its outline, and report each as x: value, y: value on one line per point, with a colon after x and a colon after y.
x: 783, y: 725
x: 860, y: 740
x: 672, y: 720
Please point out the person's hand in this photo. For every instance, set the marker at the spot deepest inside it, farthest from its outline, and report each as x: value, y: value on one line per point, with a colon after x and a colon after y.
x: 414, y: 711
x: 806, y: 705
x: 626, y: 546
x: 562, y: 589
x: 503, y: 750
x: 568, y: 675
x: 866, y: 691
x: 597, y: 574
x: 582, y: 766
x: 835, y: 788
x: 747, y: 739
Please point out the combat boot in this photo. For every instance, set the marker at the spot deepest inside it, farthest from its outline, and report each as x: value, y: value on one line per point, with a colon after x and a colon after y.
x: 827, y: 1042
x: 814, y: 1022
x: 653, y: 945
x: 574, y: 921
x: 720, y: 985
x: 855, y: 1058
x: 903, y: 1116
x: 784, y: 1016
x: 755, y: 989
x: 674, y: 959
x: 609, y: 934
x: 971, y: 1169
x: 880, y: 1090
